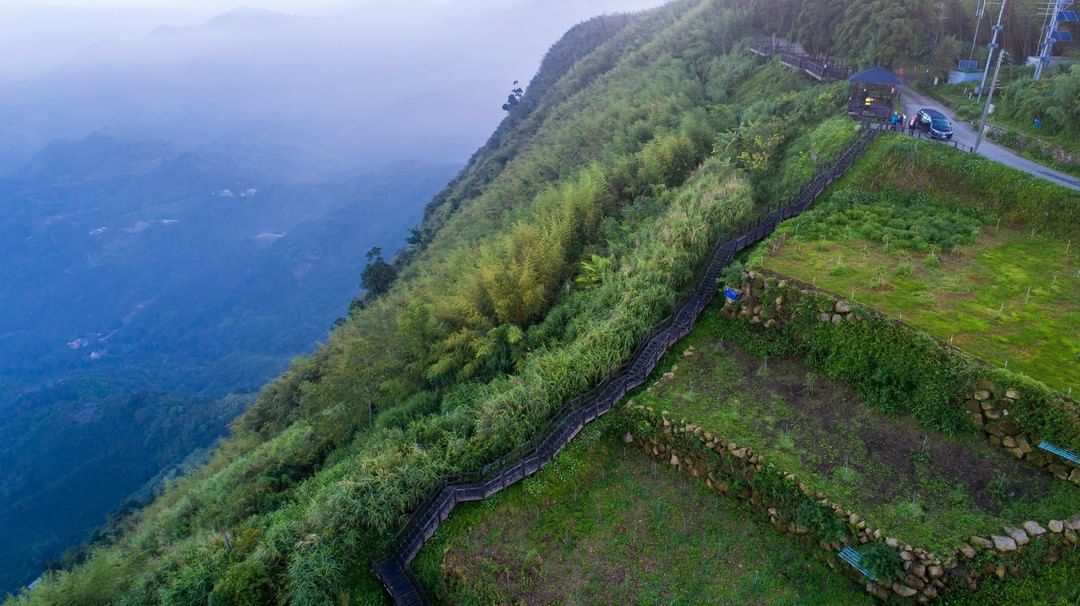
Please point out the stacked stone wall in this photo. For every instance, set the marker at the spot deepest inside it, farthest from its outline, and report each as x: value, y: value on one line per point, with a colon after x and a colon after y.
x: 731, y: 470
x: 767, y: 299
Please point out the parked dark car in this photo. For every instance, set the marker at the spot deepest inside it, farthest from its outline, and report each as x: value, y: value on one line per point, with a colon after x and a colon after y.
x: 933, y: 123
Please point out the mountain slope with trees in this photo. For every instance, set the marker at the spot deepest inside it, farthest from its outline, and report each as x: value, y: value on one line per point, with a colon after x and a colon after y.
x: 640, y: 140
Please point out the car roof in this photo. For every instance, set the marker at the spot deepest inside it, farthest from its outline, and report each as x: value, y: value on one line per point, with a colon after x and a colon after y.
x: 933, y: 113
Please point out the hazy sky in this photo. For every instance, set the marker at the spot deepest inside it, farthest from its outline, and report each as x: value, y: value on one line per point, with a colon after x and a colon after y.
x: 349, y: 81
x: 39, y: 33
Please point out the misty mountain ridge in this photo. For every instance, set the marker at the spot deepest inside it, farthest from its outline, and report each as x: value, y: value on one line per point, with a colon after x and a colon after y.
x: 141, y: 283
x: 379, y: 82
x: 111, y: 153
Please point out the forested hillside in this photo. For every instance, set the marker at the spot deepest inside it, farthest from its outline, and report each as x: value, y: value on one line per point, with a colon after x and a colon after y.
x: 535, y: 273
x: 895, y: 34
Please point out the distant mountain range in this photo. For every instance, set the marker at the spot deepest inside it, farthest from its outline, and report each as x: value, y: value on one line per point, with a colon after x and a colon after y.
x: 142, y: 283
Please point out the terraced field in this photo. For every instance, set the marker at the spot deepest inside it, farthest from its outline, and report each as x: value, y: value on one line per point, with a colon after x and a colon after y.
x: 922, y: 486
x: 606, y: 525
x: 1010, y: 297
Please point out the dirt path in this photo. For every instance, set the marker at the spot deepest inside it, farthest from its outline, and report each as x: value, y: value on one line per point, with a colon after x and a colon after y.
x: 966, y: 134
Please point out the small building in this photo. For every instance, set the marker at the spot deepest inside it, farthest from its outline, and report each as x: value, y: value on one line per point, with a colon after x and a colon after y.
x: 967, y: 70
x: 874, y: 93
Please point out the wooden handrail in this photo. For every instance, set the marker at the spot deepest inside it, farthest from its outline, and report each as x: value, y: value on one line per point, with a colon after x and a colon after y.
x: 392, y: 567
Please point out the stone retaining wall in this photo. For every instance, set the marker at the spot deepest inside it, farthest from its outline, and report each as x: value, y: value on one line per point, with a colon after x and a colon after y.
x: 989, y: 406
x: 1040, y: 148
x: 730, y: 469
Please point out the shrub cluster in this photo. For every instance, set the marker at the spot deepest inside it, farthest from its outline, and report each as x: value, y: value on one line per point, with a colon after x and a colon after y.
x: 903, y: 164
x: 900, y: 220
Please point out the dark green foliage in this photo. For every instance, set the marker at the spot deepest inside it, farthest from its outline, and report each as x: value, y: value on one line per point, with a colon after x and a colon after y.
x: 419, y: 405
x: 892, y: 33
x: 900, y: 163
x: 1053, y: 100
x: 892, y: 368
x: 244, y: 584
x: 379, y: 275
x: 899, y: 220
x: 1055, y: 585
x: 882, y: 561
x: 821, y: 520
x: 514, y: 99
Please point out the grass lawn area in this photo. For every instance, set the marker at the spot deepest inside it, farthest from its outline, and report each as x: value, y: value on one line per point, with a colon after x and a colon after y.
x: 975, y: 295
x: 921, y: 486
x: 605, y: 524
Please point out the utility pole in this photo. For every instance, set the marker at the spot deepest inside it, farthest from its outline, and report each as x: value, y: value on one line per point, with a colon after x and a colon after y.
x: 993, y: 46
x: 980, y: 12
x: 989, y: 99
x: 1046, y: 51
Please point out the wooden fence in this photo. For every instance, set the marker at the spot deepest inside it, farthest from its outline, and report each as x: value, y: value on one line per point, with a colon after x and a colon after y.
x: 392, y: 568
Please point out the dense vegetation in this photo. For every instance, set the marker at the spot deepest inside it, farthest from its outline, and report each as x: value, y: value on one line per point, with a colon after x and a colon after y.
x: 1052, y: 100
x: 640, y: 141
x: 898, y: 33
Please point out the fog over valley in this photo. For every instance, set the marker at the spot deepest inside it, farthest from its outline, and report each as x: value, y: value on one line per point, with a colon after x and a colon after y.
x: 366, y: 83
x: 190, y: 193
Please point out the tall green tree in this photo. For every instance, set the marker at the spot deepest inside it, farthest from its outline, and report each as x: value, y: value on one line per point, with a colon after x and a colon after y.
x: 378, y: 275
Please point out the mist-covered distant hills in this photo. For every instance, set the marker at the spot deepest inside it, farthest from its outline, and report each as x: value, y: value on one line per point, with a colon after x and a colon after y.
x: 142, y: 283
x: 386, y: 80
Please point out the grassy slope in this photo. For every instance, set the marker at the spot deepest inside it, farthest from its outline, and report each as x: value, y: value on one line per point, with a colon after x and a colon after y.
x: 919, y: 485
x: 977, y: 297
x: 1030, y: 241
x: 607, y: 525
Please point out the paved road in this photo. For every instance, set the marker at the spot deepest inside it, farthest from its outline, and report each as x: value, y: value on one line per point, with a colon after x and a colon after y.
x: 965, y: 133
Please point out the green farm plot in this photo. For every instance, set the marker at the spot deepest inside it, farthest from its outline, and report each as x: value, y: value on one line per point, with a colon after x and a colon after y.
x: 604, y: 524
x: 921, y: 486
x: 1005, y: 295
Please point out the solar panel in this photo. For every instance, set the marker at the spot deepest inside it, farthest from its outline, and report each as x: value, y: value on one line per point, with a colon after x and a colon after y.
x: 1068, y: 17
x: 1061, y: 37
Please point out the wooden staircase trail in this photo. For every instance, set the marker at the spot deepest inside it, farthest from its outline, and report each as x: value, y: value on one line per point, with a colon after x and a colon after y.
x: 392, y: 568
x: 818, y: 67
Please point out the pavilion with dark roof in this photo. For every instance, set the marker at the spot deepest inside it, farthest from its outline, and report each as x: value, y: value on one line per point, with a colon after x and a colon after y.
x: 873, y: 93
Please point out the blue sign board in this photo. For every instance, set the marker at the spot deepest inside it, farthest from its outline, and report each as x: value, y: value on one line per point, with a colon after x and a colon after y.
x: 1061, y: 37
x: 1068, y: 17
x: 731, y: 294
